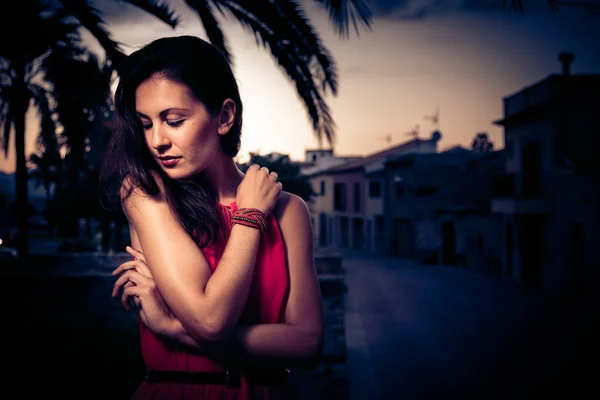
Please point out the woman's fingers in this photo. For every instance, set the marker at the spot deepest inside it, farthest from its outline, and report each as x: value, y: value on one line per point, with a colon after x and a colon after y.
x: 136, y: 265
x: 132, y: 291
x: 135, y: 253
x: 124, y: 296
x: 124, y: 267
x: 132, y: 276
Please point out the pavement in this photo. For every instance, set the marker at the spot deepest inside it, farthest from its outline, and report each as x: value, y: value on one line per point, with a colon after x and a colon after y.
x: 412, y: 332
x: 420, y: 332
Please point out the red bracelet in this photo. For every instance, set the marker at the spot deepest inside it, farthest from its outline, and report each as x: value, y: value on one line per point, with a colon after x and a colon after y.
x: 252, y: 217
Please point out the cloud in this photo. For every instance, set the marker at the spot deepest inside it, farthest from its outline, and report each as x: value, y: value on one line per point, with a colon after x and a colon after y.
x: 420, y: 9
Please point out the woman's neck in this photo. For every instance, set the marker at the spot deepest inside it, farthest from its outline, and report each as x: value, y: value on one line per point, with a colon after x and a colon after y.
x: 225, y: 177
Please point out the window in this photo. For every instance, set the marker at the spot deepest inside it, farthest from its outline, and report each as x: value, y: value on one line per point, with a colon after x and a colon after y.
x: 322, y: 188
x: 344, y: 232
x: 399, y: 191
x: 379, y: 239
x: 356, y: 196
x: 339, y: 197
x: 322, y: 230
x: 509, y: 148
x: 375, y: 188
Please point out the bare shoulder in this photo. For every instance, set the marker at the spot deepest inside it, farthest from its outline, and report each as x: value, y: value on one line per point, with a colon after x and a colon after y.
x: 291, y: 210
x: 131, y: 194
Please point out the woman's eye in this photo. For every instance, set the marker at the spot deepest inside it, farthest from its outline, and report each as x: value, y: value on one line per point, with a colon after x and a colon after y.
x: 146, y: 126
x: 175, y: 124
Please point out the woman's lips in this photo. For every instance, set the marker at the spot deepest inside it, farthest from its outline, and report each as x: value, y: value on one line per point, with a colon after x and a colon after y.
x: 169, y: 162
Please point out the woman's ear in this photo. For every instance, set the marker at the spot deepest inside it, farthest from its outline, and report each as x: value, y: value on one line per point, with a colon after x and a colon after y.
x: 226, y: 117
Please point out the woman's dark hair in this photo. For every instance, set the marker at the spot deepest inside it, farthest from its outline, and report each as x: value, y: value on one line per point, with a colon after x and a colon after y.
x: 205, y: 71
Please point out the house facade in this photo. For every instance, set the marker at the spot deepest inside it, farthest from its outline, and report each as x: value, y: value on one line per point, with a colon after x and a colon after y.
x: 437, y: 208
x: 348, y: 213
x: 548, y: 196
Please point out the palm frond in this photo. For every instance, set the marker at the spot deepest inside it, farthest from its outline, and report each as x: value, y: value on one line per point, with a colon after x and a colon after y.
x: 159, y: 9
x: 517, y: 5
x: 589, y: 6
x: 293, y: 24
x: 296, y: 66
x: 40, y: 94
x: 211, y: 26
x: 6, y: 116
x: 342, y: 12
x: 90, y: 19
x: 284, y: 19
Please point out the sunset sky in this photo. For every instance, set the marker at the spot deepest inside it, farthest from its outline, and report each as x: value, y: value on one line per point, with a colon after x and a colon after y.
x: 462, y: 56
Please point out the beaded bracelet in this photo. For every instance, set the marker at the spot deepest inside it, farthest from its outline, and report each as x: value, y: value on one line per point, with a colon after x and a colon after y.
x: 252, y: 217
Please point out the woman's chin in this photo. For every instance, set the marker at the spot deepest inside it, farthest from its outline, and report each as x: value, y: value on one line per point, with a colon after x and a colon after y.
x: 176, y: 174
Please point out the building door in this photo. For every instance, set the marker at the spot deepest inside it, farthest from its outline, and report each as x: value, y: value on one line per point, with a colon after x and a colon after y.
x: 531, y: 246
x: 358, y: 240
x: 344, y: 233
x: 531, y: 170
x: 401, y: 239
x: 379, y: 244
x: 510, y: 253
x: 448, y: 243
x: 368, y: 236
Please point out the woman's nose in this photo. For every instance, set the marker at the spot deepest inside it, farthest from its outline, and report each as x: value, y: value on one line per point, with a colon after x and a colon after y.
x: 159, y: 139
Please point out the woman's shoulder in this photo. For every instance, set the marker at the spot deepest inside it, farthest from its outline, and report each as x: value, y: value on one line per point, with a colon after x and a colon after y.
x: 290, y: 208
x: 131, y: 191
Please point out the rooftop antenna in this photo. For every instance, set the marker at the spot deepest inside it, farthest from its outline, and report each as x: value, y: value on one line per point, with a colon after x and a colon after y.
x: 414, y: 132
x: 435, y: 118
x: 387, y: 138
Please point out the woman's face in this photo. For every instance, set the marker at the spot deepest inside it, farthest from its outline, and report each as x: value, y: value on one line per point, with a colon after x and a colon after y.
x: 177, y: 125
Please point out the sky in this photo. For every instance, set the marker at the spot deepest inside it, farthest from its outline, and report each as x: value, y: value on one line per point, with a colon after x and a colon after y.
x: 459, y: 56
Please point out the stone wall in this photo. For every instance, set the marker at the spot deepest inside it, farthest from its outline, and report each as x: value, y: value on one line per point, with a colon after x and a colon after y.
x: 328, y: 381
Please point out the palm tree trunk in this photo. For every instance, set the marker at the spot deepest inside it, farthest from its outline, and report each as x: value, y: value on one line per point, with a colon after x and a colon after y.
x: 21, y: 186
x: 21, y: 200
x: 47, y: 185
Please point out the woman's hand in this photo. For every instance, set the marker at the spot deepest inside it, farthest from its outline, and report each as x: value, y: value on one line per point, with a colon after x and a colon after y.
x: 136, y: 282
x: 259, y: 189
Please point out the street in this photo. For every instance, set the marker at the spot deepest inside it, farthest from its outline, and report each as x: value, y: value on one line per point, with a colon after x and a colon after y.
x: 415, y: 332
x: 412, y: 332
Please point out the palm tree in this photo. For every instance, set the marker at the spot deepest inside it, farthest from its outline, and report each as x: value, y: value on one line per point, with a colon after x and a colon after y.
x: 22, y: 57
x: 279, y: 26
x: 81, y: 115
x: 47, y: 163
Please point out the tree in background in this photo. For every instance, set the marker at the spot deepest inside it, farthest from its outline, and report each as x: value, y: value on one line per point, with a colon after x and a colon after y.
x: 279, y: 26
x: 287, y: 170
x: 22, y: 69
x: 45, y: 166
x: 482, y: 143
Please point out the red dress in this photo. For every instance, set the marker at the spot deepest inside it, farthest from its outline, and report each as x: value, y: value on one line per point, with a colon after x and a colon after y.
x: 266, y: 304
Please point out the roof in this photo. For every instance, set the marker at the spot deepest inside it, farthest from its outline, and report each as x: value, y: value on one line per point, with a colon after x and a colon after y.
x: 357, y: 165
x: 453, y: 155
x: 539, y: 98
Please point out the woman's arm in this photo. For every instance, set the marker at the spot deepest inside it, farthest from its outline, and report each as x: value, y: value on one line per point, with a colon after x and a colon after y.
x: 298, y: 341
x: 207, y: 305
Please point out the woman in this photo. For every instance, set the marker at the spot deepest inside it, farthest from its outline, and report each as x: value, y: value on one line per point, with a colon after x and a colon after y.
x: 223, y: 275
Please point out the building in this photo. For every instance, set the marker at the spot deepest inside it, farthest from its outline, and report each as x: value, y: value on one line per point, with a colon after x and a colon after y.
x: 348, y: 211
x: 548, y: 196
x: 321, y: 159
x: 437, y: 208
